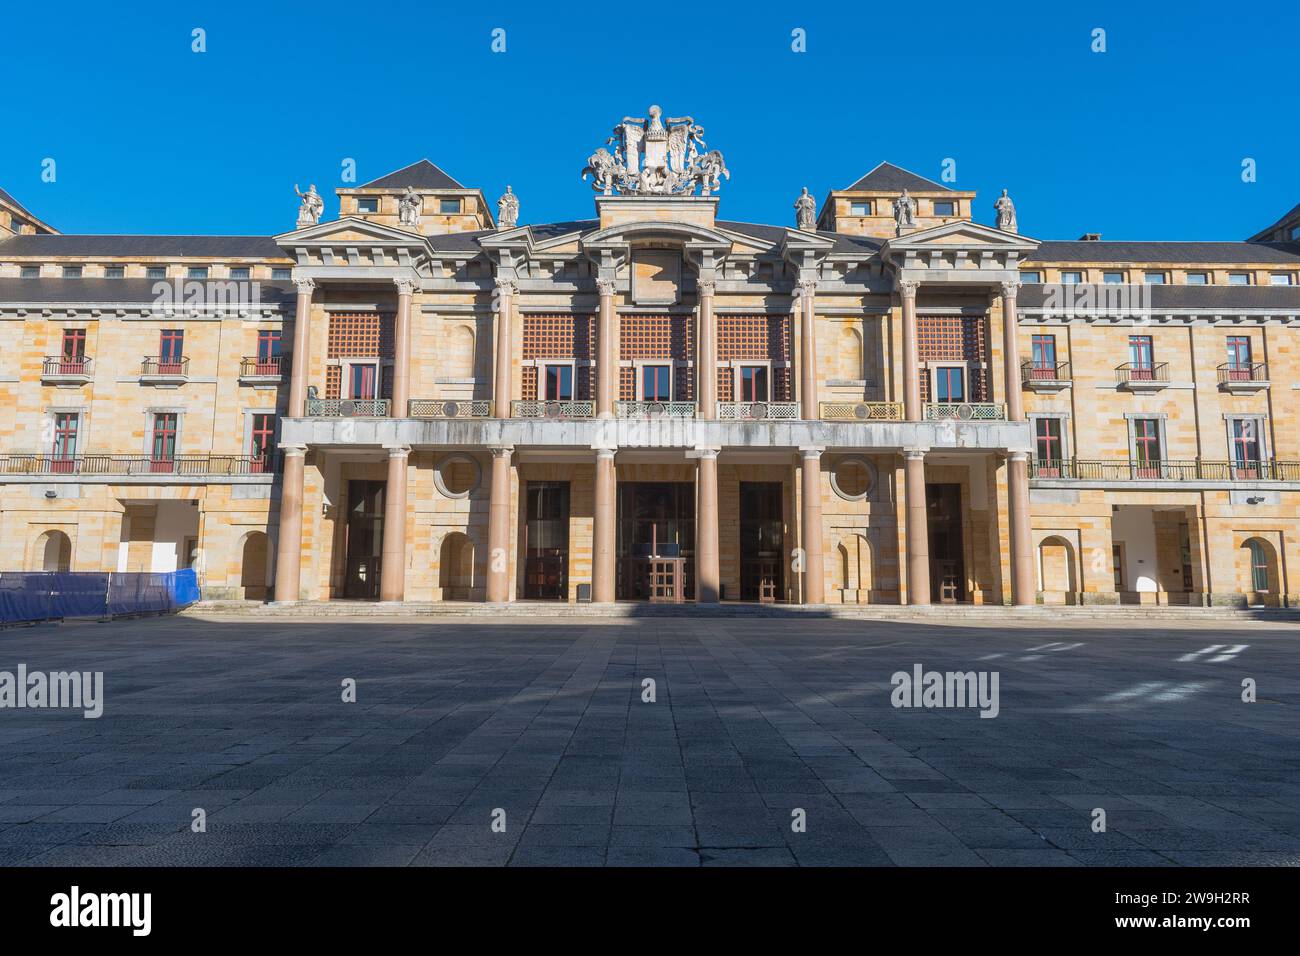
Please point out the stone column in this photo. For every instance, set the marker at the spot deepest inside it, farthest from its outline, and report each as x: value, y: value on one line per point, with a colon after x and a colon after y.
x: 402, y: 347
x: 1011, y: 353
x: 392, y: 566
x: 301, y: 348
x: 814, y: 567
x: 506, y: 290
x: 911, y: 354
x: 706, y: 352
x: 498, y: 575
x: 805, y: 290
x: 288, y: 552
x: 1023, y: 589
x: 603, y: 540
x: 918, y: 531
x: 708, y: 578
x: 607, y: 355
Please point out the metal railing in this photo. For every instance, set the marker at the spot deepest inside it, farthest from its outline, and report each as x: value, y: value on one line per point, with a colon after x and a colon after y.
x: 195, y: 465
x: 862, y: 411
x: 347, y: 407
x: 758, y: 411
x: 448, y: 408
x: 1230, y: 372
x: 551, y: 408
x: 155, y: 366
x: 654, y: 409
x: 1165, y: 470
x: 252, y: 366
x: 1130, y: 372
x: 65, y: 365
x: 1032, y: 371
x: 965, y: 412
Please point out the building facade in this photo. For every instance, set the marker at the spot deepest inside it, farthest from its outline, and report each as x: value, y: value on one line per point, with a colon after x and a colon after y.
x: 429, y: 399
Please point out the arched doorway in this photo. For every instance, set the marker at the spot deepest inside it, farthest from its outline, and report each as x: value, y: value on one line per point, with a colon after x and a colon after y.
x: 54, y: 551
x: 854, y: 577
x: 1056, y: 571
x: 253, y: 566
x: 456, y: 567
x: 1258, y: 573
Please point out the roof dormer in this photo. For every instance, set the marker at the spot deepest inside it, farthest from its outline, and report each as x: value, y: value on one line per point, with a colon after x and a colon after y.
x: 418, y: 198
x: 867, y: 207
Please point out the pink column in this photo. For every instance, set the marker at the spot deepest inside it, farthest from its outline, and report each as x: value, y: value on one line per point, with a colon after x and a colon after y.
x: 402, y: 347
x: 911, y: 353
x: 498, y: 576
x: 706, y: 351
x: 602, y: 548
x: 917, y: 538
x: 607, y: 355
x: 1023, y: 586
x: 301, y: 347
x: 808, y: 409
x: 506, y: 290
x: 288, y: 552
x: 814, y: 565
x: 708, y: 586
x: 1011, y: 352
x: 392, y: 567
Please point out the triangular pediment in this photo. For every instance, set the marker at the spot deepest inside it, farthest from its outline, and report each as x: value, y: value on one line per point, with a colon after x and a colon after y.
x: 962, y: 234
x: 349, y: 229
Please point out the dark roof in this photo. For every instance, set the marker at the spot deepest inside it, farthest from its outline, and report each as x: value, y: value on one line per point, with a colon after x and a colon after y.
x: 888, y: 178
x: 774, y: 234
x: 255, y: 247
x: 421, y: 175
x: 6, y: 197
x: 1197, y: 298
x: 1285, y: 216
x: 55, y: 290
x: 1190, y: 252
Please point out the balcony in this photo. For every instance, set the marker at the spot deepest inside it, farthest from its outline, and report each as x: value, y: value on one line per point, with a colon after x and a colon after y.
x: 1142, y: 377
x: 758, y: 411
x: 66, y: 370
x: 965, y: 412
x: 1190, y: 470
x: 1243, y: 377
x: 862, y: 411
x: 165, y: 372
x: 132, y: 465
x: 1046, y: 377
x: 347, y: 407
x: 448, y: 408
x: 552, y: 409
x: 654, y: 409
x: 254, y: 370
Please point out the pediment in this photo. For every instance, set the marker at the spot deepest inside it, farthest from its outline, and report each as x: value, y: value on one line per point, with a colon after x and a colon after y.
x: 349, y: 229
x: 962, y: 235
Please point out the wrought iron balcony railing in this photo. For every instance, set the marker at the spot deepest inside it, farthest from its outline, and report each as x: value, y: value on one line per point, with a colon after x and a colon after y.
x: 1139, y: 373
x: 126, y: 465
x: 66, y: 366
x: 862, y: 411
x: 1233, y: 372
x: 448, y: 408
x: 253, y: 366
x: 1038, y: 371
x: 551, y: 408
x: 654, y: 409
x: 1166, y: 470
x: 347, y: 407
x: 965, y: 412
x: 155, y: 366
x: 758, y: 411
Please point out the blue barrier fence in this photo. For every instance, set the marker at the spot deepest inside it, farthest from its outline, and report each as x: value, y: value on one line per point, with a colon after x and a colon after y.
x: 27, y: 596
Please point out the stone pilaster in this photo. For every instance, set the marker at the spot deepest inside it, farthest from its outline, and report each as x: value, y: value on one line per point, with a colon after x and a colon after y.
x: 917, y: 528
x: 706, y: 365
x: 911, y: 353
x: 708, y: 585
x: 811, y: 498
x: 603, y: 537
x: 301, y: 348
x: 288, y: 558
x: 1011, y: 353
x: 1023, y: 589
x: 607, y: 355
x: 402, y: 347
x: 392, y: 567
x: 501, y: 390
x: 806, y: 290
x: 498, y: 575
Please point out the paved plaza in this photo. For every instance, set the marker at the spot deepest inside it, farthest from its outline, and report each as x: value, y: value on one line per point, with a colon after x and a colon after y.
x: 540, y: 725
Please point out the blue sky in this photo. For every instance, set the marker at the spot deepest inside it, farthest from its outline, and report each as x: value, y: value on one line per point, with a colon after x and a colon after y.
x: 1144, y: 141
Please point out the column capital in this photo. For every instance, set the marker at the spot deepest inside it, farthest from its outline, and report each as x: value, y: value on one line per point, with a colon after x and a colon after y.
x: 705, y: 287
x: 398, y: 451
x: 811, y: 451
x: 293, y: 451
x: 606, y: 287
x: 805, y: 289
x: 507, y: 286
x: 704, y: 452
x: 1010, y: 288
x: 501, y: 451
x: 915, y: 454
x: 907, y: 287
x: 606, y: 452
x: 406, y: 285
x: 305, y: 285
x: 1018, y: 456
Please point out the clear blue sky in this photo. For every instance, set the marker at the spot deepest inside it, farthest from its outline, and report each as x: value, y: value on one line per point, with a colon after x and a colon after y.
x: 1144, y: 141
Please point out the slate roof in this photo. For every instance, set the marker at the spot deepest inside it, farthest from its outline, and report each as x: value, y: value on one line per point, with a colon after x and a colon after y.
x: 773, y: 235
x: 125, y: 291
x: 1283, y: 253
x: 889, y: 178
x: 1195, y: 298
x: 421, y: 175
x: 254, y: 247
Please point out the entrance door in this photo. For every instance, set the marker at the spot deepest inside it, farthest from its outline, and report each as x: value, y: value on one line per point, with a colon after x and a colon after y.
x: 365, y: 539
x: 656, y: 541
x: 947, y: 564
x: 546, y: 541
x: 761, y: 541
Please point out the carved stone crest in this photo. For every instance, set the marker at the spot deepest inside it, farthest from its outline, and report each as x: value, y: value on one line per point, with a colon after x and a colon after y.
x: 656, y: 155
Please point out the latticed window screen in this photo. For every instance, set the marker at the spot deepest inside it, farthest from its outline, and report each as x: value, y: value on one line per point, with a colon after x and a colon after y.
x: 558, y: 337
x: 954, y: 338
x: 359, y: 335
x: 756, y: 337
x: 657, y: 337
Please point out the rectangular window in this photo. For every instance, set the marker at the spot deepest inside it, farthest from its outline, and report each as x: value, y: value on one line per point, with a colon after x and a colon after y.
x: 1047, y: 447
x: 950, y: 384
x: 1141, y: 358
x: 945, y: 208
x: 72, y: 272
x: 31, y: 272
x: 1043, y: 357
x: 163, y: 450
x: 1153, y: 278
x: 753, y: 383
x: 156, y: 272
x: 281, y: 273
x: 72, y: 355
x: 1279, y: 278
x: 65, y: 441
x: 368, y: 204
x: 1117, y: 561
x: 1031, y: 276
x: 448, y: 206
x: 1238, y: 278
x: 239, y: 272
x: 1146, y: 447
x: 263, y: 442
x: 1198, y: 278
x: 860, y: 208
x: 1071, y: 278
x: 1295, y: 232
x: 1258, y: 565
x: 268, y: 352
x: 1113, y: 278
x: 1245, y: 447
x: 656, y: 383
x: 114, y: 272
x: 363, y: 382
x: 558, y: 383
x: 1239, y: 358
x: 171, y: 352
x: 196, y: 272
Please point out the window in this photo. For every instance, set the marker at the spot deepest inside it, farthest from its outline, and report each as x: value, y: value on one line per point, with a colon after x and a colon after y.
x: 1048, y: 450
x: 945, y: 208
x: 31, y: 272
x: 163, y: 447
x: 1033, y: 276
x: 1141, y: 358
x: 268, y: 352
x: 171, y: 351
x: 1295, y: 232
x: 1244, y: 434
x: 196, y: 272
x: 448, y: 206
x: 1043, y: 357
x: 114, y: 272
x: 156, y: 272
x: 1238, y: 358
x: 656, y: 383
x: 1279, y: 278
x: 72, y: 355
x: 239, y: 272
x: 1146, y: 447
x: 1117, y: 561
x: 1112, y: 278
x: 281, y: 273
x: 1258, y: 565
x: 1153, y: 278
x: 363, y: 381
x: 753, y: 383
x: 1238, y: 278
x: 558, y: 383
x: 1071, y: 278
x: 860, y: 208
x: 368, y: 204
x: 72, y: 272
x: 263, y: 442
x: 64, y: 452
x: 950, y: 384
x: 1198, y: 278
x: 16, y: 225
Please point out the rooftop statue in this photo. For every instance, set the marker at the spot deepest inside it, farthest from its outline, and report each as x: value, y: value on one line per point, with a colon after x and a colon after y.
x: 409, y: 208
x: 311, y: 206
x: 656, y: 155
x: 904, y: 212
x: 805, y: 212
x: 507, y: 210
x: 1006, y: 213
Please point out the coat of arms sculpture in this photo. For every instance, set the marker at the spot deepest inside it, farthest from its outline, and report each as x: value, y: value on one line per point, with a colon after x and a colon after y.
x: 656, y: 156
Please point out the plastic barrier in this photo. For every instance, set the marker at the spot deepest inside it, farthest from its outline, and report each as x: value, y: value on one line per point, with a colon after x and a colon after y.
x: 27, y: 596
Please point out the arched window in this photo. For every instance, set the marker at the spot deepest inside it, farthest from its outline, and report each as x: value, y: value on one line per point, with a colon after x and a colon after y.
x: 1258, y: 564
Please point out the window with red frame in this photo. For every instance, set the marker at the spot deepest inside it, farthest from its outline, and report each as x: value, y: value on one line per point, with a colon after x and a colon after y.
x: 263, y: 442
x: 363, y: 382
x: 1239, y: 358
x: 950, y: 384
x: 656, y: 383
x: 1047, y: 447
x: 558, y: 383
x: 65, y: 441
x: 1245, y: 447
x: 1146, y: 447
x: 1141, y: 357
x: 171, y: 350
x: 1043, y: 357
x: 753, y: 383
x: 268, y: 352
x: 72, y: 360
x: 163, y: 452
